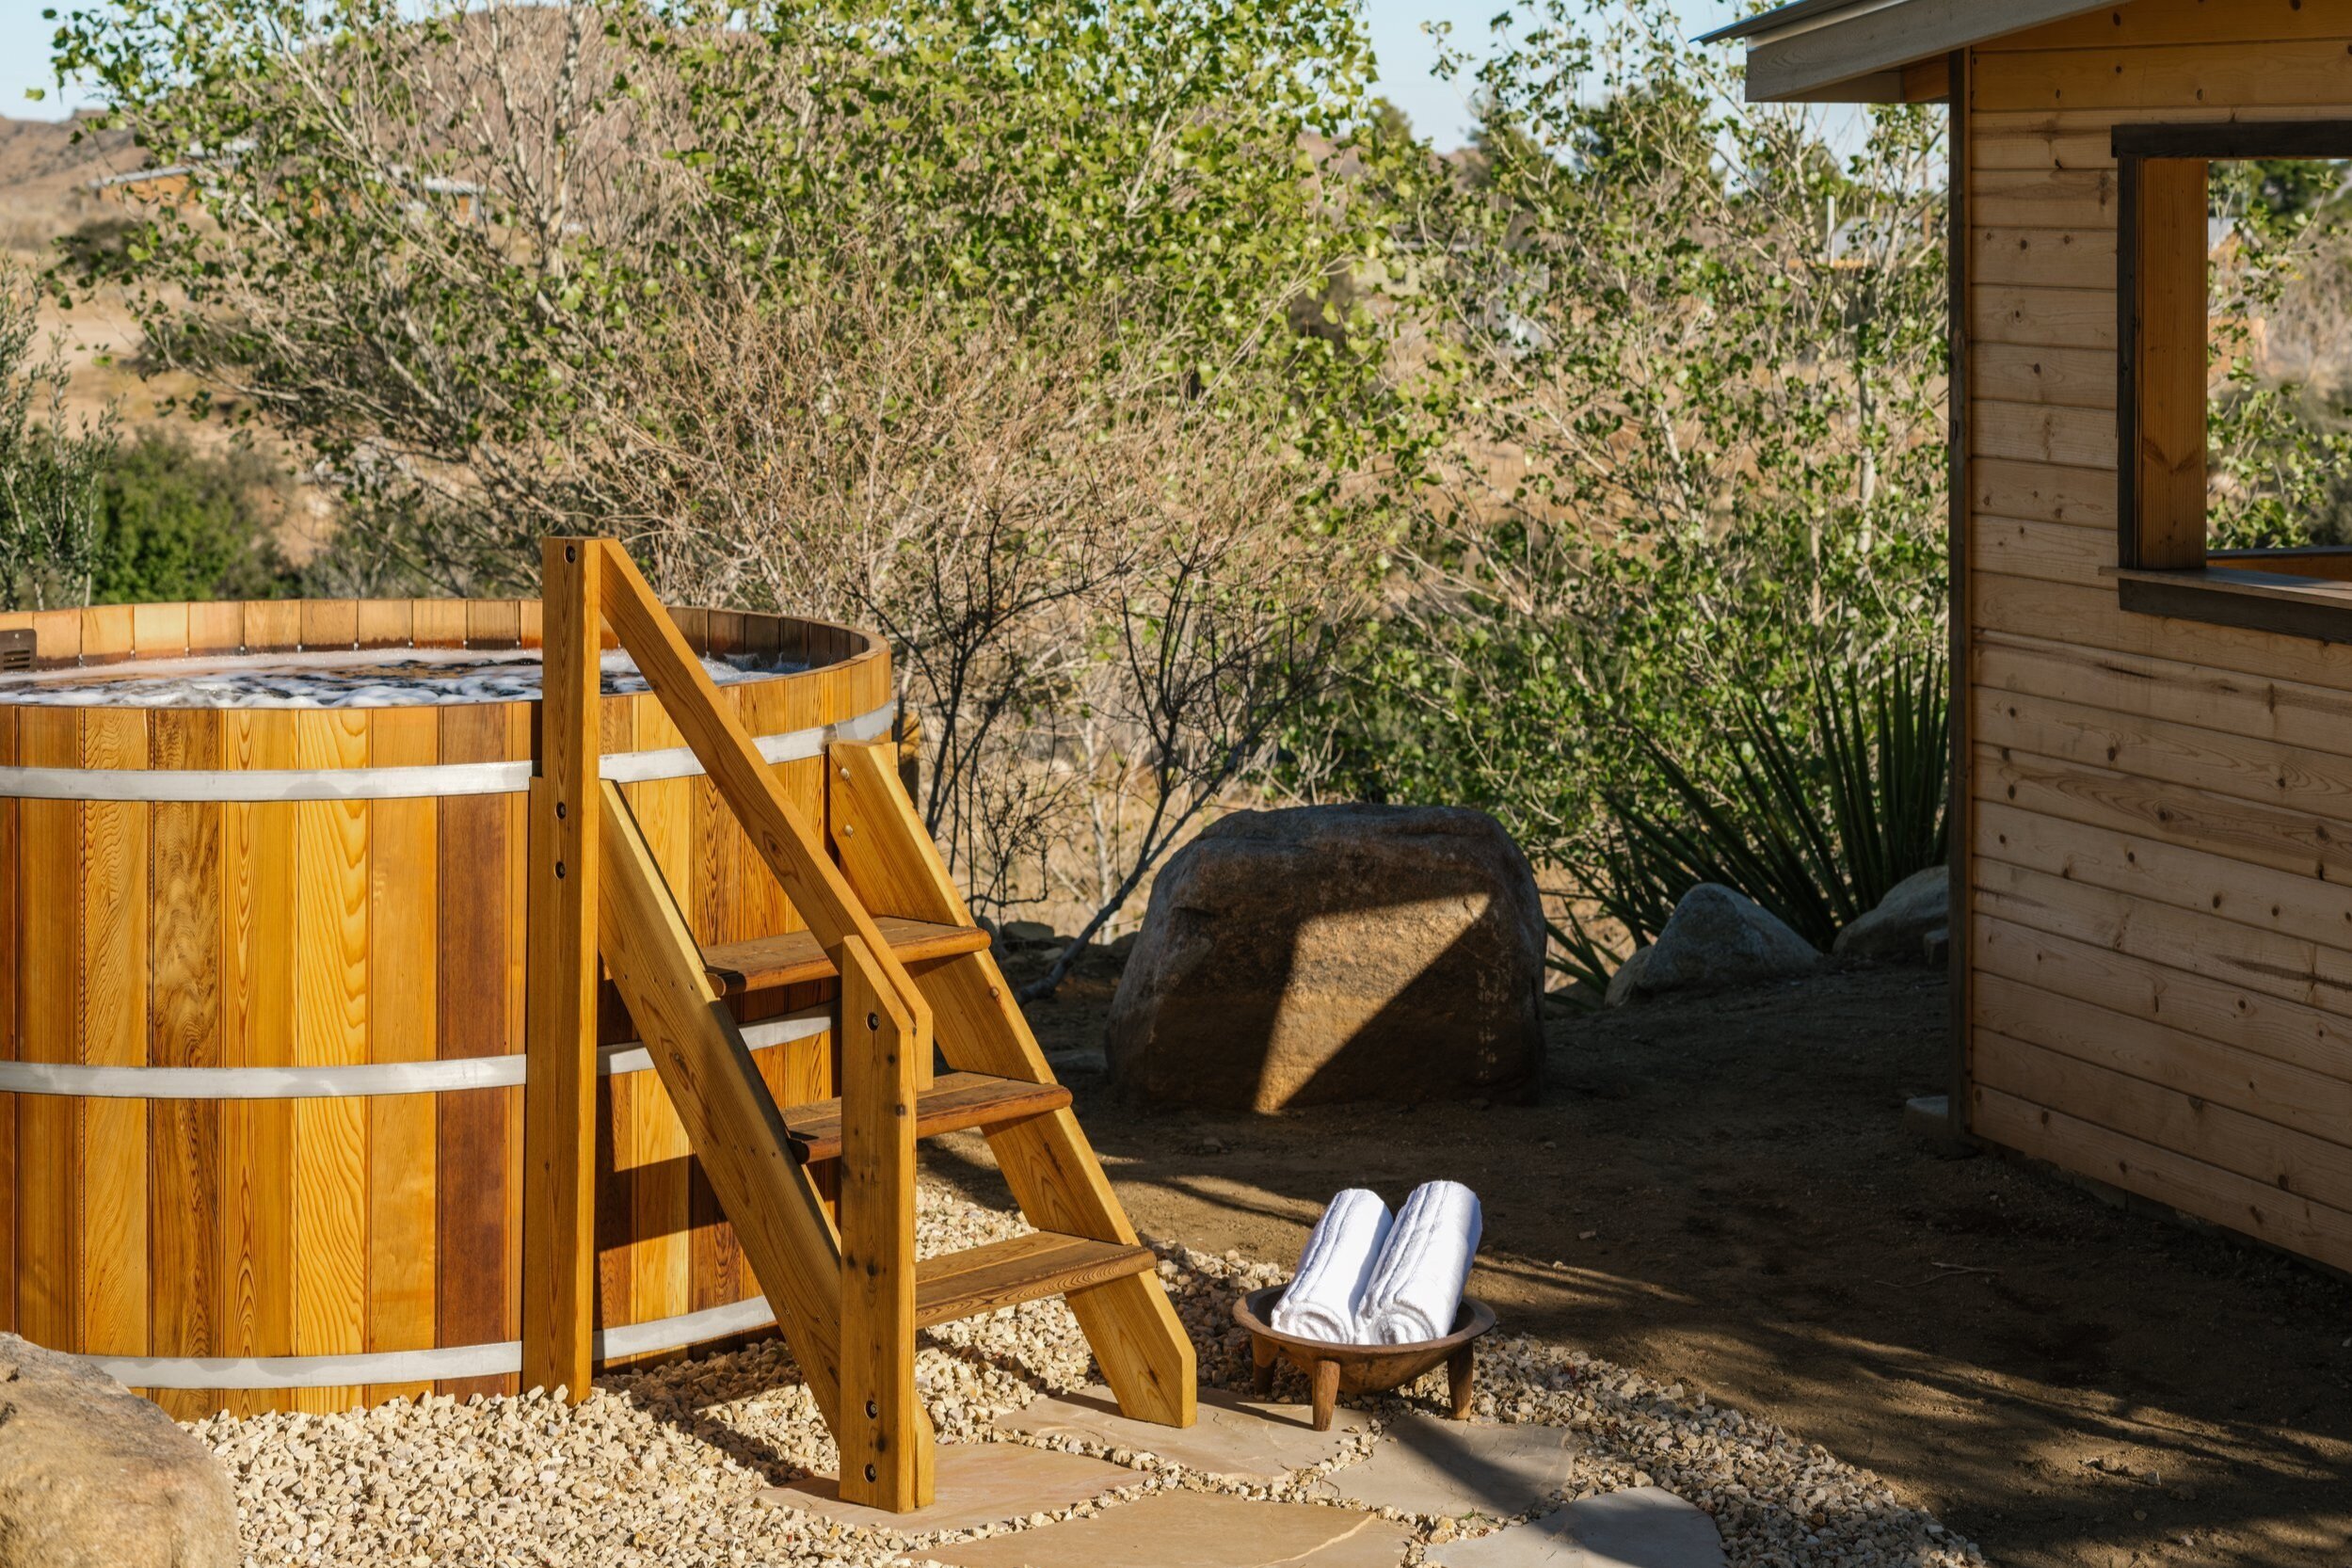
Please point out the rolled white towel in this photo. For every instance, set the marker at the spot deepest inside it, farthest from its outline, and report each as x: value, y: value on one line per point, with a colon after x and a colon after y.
x: 1416, y: 1285
x: 1328, y: 1290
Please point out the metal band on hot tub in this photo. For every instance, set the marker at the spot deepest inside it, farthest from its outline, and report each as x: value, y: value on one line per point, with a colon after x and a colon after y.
x: 425, y: 1365
x: 431, y: 779
x: 442, y: 1077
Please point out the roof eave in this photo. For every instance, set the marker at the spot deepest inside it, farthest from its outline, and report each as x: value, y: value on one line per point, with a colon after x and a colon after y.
x: 1857, y: 51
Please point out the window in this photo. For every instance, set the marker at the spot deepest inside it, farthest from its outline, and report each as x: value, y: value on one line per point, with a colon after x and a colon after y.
x: 2235, y: 481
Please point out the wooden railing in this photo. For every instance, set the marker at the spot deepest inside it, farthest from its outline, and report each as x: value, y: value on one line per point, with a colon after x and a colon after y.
x: 596, y: 891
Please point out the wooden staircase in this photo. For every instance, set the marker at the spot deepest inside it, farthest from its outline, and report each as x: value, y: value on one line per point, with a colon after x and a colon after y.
x: 916, y: 976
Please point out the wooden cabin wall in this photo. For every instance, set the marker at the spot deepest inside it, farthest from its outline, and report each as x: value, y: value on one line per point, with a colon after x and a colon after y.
x: 2159, y: 875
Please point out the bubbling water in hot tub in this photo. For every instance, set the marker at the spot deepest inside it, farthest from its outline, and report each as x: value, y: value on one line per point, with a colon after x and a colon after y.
x: 371, y: 678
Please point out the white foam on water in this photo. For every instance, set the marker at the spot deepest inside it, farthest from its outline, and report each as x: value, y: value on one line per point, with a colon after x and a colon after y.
x: 339, y: 677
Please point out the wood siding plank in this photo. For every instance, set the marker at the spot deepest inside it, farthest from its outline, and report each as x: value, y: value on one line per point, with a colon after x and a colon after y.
x: 403, y: 980
x: 2314, y: 718
x: 2257, y: 1037
x: 661, y: 1279
x: 2302, y: 907
x: 11, y: 1027
x: 2206, y: 1130
x: 2045, y: 198
x: 2042, y: 492
x: 2241, y: 831
x: 2044, y: 258
x: 2040, y: 374
x: 2166, y: 1176
x: 474, y: 842
x: 113, y: 1032
x: 2267, y: 962
x: 2030, y: 433
x: 2216, y: 761
x: 257, y: 1025
x: 2144, y: 22
x: 2314, y: 71
x: 331, y: 1021
x: 49, y: 1126
x: 2053, y: 552
x: 186, y: 1174
x: 2024, y: 607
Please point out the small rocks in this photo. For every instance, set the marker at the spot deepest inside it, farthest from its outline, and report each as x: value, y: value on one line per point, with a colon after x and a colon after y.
x: 665, y: 1467
x: 1715, y: 939
x: 91, y: 1476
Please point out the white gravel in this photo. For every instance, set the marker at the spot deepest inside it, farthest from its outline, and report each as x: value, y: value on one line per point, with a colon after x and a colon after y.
x: 658, y: 1468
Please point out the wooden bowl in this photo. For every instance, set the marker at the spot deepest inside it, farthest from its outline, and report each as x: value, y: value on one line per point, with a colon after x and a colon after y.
x: 1333, y: 1370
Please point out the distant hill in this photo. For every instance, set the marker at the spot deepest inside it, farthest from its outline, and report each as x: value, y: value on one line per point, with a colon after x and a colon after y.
x: 45, y: 176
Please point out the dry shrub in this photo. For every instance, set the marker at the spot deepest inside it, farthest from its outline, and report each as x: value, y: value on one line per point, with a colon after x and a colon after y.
x: 1099, y: 590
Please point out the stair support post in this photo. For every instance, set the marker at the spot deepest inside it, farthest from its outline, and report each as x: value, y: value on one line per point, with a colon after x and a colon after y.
x: 560, y: 986
x: 891, y: 864
x: 885, y: 1451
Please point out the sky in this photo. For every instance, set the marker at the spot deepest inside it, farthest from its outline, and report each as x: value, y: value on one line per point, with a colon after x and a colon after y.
x: 1439, y: 110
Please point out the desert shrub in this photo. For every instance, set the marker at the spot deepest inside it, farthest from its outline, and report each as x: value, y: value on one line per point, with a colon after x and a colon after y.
x: 51, y: 465
x: 1698, y: 441
x: 175, y: 523
x: 1818, y: 816
x: 1017, y: 333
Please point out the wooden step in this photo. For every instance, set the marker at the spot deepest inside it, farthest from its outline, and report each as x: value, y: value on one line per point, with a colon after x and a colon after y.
x: 953, y: 1101
x: 1027, y: 1268
x: 794, y: 958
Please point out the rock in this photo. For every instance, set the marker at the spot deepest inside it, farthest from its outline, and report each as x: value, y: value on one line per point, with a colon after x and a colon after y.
x: 1028, y: 934
x: 1194, y: 1530
x: 1646, y: 1526
x: 1447, y: 1469
x: 1252, y: 1441
x: 1715, y: 939
x: 1336, y: 952
x: 1897, y: 930
x: 1121, y: 947
x: 973, y: 1484
x: 91, y: 1476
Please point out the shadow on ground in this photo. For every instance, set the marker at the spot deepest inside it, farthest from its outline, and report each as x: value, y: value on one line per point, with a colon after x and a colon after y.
x: 1723, y: 1192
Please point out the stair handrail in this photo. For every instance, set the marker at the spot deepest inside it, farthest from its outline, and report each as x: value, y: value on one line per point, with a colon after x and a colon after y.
x: 589, y: 584
x: 742, y: 777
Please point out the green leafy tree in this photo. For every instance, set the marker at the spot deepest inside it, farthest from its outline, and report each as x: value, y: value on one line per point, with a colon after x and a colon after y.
x: 1700, y: 365
x: 174, y: 523
x: 52, y: 466
x: 2280, y: 443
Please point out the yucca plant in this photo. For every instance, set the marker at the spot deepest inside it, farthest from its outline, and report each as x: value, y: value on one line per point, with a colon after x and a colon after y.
x: 1817, y: 822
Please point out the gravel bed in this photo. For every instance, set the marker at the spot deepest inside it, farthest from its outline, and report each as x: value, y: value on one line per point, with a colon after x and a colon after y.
x: 659, y: 1468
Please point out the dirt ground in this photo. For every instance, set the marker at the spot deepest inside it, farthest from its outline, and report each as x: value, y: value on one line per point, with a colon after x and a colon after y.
x: 1724, y: 1191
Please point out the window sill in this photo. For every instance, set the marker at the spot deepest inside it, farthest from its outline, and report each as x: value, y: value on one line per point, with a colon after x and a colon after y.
x: 2292, y: 606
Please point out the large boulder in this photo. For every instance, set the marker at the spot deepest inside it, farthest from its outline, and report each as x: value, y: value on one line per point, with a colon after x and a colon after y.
x: 1336, y: 952
x: 1897, y: 930
x: 1715, y: 939
x: 91, y: 1476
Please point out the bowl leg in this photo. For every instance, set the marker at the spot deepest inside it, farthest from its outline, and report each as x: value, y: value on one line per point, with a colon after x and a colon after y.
x: 1459, y: 1366
x: 1326, y: 1393
x: 1264, y: 1353
x: 1459, y: 1390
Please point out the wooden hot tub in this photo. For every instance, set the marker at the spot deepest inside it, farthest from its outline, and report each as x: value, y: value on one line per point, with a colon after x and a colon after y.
x: 260, y: 1007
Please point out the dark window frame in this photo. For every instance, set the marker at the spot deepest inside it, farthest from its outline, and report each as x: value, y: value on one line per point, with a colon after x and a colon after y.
x: 2253, y: 588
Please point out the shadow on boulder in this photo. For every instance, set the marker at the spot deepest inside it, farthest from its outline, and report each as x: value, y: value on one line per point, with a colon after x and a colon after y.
x: 1336, y: 952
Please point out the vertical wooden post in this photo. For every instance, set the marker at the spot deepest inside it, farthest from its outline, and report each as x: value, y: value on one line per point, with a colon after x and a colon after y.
x: 559, y: 1092
x: 885, y: 1456
x: 2164, y: 526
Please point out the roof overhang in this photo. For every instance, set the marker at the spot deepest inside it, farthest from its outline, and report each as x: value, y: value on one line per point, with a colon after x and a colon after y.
x: 1874, y: 50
